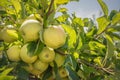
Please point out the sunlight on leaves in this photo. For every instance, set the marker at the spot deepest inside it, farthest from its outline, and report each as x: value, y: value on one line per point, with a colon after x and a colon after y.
x: 5, y: 72
x: 78, y: 21
x: 102, y: 24
x: 71, y: 33
x: 61, y: 1
x: 103, y: 6
x: 16, y: 5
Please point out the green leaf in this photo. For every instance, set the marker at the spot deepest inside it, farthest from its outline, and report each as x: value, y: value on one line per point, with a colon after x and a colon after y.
x: 62, y: 18
x: 78, y: 43
x: 78, y: 21
x: 12, y: 33
x: 35, y: 48
x: 87, y: 69
x: 95, y: 45
x: 102, y: 24
x: 91, y: 32
x: 113, y: 12
x: 6, y: 72
x: 57, y: 75
x: 86, y: 22
x: 16, y: 4
x: 72, y: 74
x: 71, y: 33
x: 115, y: 34
x: 2, y: 12
x: 81, y: 74
x: 117, y: 27
x: 71, y: 60
x: 59, y: 2
x: 39, y: 48
x: 6, y: 77
x: 116, y: 18
x: 104, y: 7
x: 62, y: 10
x: 110, y: 47
x: 117, y: 64
x: 31, y: 48
x: 22, y: 74
x: 47, y: 74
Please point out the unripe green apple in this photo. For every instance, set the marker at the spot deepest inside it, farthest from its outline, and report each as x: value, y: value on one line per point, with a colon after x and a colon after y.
x: 47, y: 55
x: 30, y: 30
x: 9, y: 35
x: 24, y: 55
x: 54, y: 36
x: 59, y: 59
x: 14, y: 53
x: 41, y: 66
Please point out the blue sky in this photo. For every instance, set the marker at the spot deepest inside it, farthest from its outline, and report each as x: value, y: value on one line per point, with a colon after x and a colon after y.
x: 86, y: 8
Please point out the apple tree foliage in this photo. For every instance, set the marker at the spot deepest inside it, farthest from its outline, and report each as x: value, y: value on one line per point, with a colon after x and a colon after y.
x: 92, y: 46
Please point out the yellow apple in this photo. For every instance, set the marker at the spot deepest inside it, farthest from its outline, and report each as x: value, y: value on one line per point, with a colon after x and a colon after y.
x: 30, y: 30
x: 51, y: 78
x: 32, y: 70
x: 9, y: 35
x: 14, y: 53
x: 54, y: 36
x: 59, y: 59
x: 41, y: 66
x: 66, y: 78
x: 63, y: 73
x: 47, y: 55
x: 24, y: 55
x: 35, y: 17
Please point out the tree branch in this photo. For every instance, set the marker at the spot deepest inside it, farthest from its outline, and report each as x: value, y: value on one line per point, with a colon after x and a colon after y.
x: 109, y: 71
x: 49, y: 10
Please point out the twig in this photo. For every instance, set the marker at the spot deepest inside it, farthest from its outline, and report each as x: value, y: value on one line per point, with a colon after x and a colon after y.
x: 96, y: 67
x: 49, y: 10
x: 60, y: 52
x: 96, y: 37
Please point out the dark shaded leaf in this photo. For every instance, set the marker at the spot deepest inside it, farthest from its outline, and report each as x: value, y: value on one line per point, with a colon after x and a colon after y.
x: 39, y: 48
x: 31, y: 48
x: 116, y: 28
x: 47, y: 74
x: 116, y: 18
x: 72, y: 74
x: 22, y: 74
x: 115, y: 34
x: 34, y: 48
x: 57, y: 75
x: 2, y: 12
x: 113, y: 12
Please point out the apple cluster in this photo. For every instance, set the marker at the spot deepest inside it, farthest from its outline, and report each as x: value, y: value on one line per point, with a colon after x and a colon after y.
x: 30, y: 30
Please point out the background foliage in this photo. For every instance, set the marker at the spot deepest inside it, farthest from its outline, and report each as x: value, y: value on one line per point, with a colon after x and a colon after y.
x: 92, y: 46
